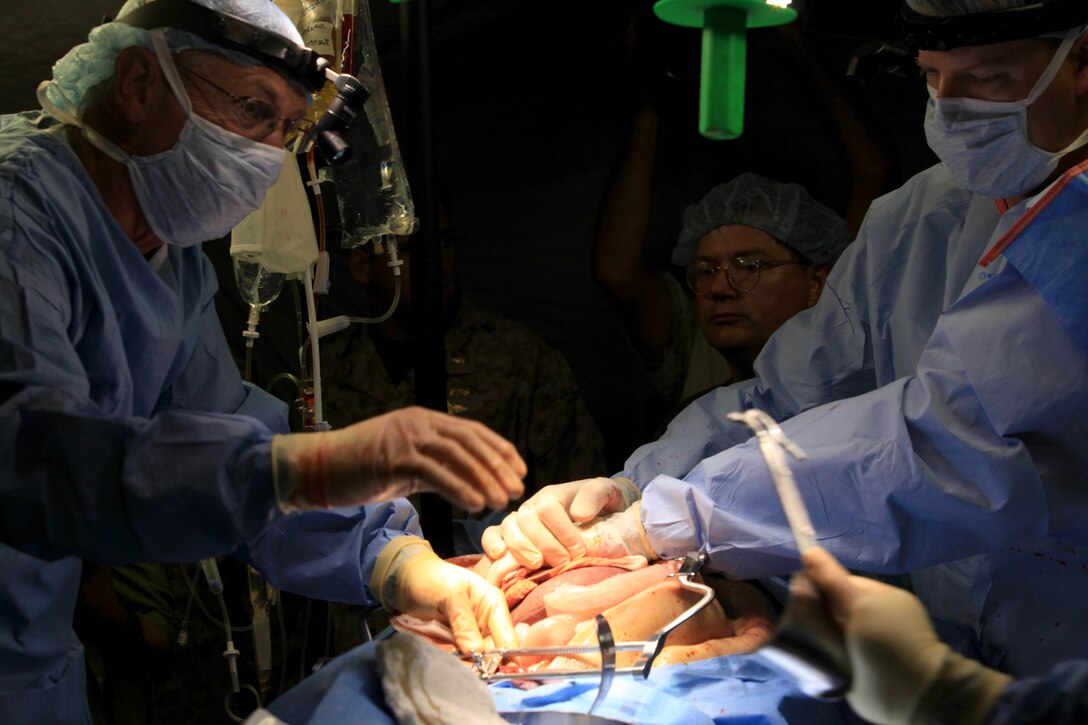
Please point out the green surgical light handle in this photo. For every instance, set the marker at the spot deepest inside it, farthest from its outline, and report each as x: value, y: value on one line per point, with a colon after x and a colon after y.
x: 725, y: 26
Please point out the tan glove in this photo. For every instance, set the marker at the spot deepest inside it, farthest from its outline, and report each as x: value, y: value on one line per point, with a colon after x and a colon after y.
x: 544, y: 529
x: 618, y: 535
x: 902, y: 672
x: 408, y: 577
x: 400, y: 453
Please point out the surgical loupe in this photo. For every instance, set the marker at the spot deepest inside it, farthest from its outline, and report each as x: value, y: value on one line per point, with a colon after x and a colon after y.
x: 302, y: 64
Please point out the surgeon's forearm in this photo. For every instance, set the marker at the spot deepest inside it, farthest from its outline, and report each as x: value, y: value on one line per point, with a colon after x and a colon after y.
x: 888, y: 487
x: 177, y: 487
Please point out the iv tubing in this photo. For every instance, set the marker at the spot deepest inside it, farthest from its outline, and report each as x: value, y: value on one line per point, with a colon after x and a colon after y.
x: 194, y: 596
x: 315, y: 355
x: 387, y: 314
x: 396, y: 264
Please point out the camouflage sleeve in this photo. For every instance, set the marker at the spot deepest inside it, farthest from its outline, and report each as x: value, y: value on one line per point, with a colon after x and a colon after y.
x: 565, y: 443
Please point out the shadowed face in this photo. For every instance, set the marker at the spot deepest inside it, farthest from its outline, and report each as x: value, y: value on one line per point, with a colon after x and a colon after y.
x: 1008, y: 72
x: 741, y: 321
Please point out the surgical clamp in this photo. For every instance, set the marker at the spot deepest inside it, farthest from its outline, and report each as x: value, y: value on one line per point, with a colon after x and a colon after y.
x: 487, y: 662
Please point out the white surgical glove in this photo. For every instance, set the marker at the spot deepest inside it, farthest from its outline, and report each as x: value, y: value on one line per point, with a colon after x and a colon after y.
x: 902, y: 672
x: 544, y: 529
x: 410, y: 578
x: 397, y: 454
x: 618, y: 535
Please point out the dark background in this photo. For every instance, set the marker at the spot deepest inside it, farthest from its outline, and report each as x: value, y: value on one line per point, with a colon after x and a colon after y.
x: 532, y: 102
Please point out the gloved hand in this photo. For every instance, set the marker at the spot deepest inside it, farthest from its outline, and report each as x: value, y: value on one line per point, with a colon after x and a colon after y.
x: 543, y: 530
x: 407, y: 451
x: 902, y: 672
x: 618, y: 535
x: 408, y: 577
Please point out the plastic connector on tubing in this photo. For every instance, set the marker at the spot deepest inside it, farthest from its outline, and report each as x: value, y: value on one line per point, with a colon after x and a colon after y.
x: 211, y: 573
x: 395, y: 262
x: 250, y: 333
x: 332, y: 324
x: 231, y: 653
x: 321, y: 275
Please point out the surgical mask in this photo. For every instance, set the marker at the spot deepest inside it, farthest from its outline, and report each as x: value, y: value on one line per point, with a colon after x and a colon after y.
x: 202, y: 187
x: 985, y: 144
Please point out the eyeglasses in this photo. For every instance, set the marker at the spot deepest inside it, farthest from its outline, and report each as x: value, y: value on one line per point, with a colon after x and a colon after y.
x: 254, y: 115
x: 742, y: 273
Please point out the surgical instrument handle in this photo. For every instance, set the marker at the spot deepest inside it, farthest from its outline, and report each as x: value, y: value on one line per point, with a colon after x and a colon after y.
x: 772, y: 441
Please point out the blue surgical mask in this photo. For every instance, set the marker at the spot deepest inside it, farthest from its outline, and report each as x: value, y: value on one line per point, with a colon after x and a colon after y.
x: 985, y: 144
x: 202, y: 187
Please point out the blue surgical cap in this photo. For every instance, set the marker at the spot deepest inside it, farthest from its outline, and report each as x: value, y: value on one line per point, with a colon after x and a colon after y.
x: 785, y: 211
x: 88, y: 64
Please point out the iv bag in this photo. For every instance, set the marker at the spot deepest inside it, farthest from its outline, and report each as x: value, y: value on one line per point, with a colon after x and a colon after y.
x: 280, y: 234
x: 371, y: 188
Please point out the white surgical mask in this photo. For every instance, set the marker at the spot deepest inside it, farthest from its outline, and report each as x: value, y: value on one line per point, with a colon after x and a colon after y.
x: 202, y: 187
x: 985, y: 144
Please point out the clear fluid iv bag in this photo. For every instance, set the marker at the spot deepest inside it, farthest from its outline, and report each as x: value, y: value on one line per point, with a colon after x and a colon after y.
x: 258, y: 287
x: 371, y: 188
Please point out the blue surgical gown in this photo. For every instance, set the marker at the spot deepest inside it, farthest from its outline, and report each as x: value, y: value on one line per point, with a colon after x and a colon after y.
x: 126, y: 434
x: 941, y: 407
x: 1058, y: 698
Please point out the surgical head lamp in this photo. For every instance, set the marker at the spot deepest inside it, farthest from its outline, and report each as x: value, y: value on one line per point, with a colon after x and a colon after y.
x: 297, y: 62
x: 924, y: 32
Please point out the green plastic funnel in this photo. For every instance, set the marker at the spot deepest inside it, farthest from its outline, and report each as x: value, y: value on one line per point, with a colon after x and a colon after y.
x: 725, y: 24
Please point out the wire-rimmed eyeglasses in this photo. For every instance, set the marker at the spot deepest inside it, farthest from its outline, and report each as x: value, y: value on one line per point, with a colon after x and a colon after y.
x: 254, y: 115
x: 742, y: 273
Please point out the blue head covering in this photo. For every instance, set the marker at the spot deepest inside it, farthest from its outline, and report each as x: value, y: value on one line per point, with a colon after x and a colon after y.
x: 785, y: 211
x: 90, y: 63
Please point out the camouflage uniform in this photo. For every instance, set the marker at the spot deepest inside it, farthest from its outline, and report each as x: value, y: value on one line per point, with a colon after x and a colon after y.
x: 499, y: 373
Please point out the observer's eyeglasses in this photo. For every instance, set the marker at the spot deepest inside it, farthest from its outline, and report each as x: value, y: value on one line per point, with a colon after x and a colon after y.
x: 742, y: 273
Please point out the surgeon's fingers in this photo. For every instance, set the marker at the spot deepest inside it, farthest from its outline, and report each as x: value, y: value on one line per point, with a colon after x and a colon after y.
x: 481, y: 460
x: 500, y: 626
x: 496, y: 572
x: 595, y: 496
x: 531, y: 536
x: 835, y: 583
x: 476, y: 604
x: 517, y: 544
x: 492, y: 542
x: 462, y: 619
x: 554, y: 534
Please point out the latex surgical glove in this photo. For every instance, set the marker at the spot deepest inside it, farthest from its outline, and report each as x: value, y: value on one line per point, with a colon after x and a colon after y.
x: 902, y: 672
x: 410, y: 578
x: 397, y: 454
x: 544, y: 530
x: 618, y: 535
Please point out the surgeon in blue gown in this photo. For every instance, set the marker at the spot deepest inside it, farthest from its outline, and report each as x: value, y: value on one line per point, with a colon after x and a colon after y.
x: 939, y: 386
x: 126, y: 434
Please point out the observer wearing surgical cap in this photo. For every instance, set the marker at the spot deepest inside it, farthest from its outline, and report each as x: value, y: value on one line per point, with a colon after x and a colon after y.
x: 938, y: 386
x: 756, y: 252
x: 126, y: 434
